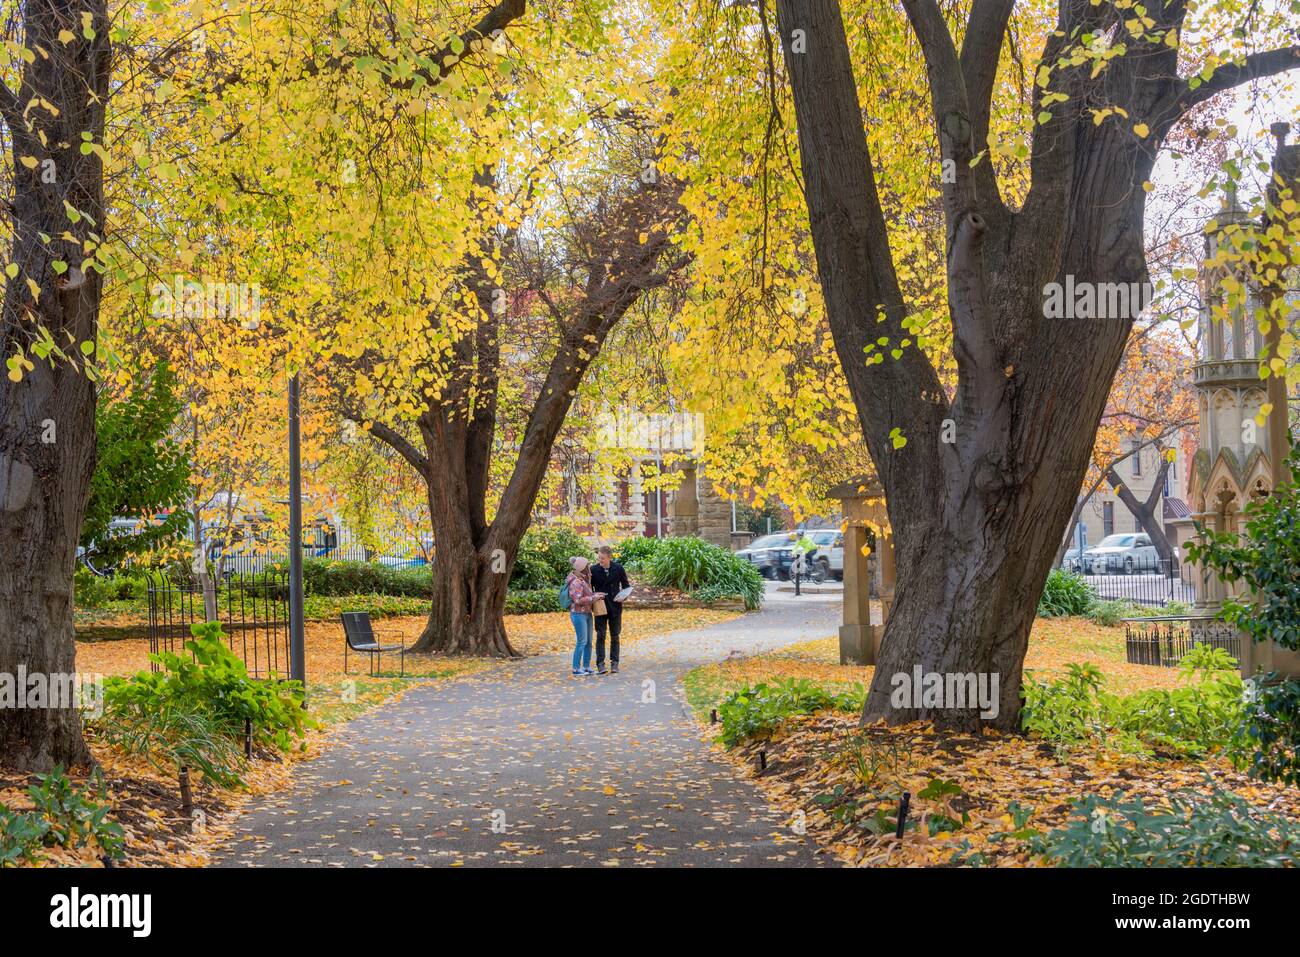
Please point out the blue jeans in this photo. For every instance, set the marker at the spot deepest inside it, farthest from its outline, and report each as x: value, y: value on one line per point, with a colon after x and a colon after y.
x: 582, y: 645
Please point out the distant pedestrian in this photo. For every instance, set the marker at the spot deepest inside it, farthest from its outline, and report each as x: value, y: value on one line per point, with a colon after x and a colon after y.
x: 581, y: 598
x: 609, y: 577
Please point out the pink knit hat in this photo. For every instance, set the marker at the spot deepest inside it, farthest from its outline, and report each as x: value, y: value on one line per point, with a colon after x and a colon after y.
x: 578, y: 563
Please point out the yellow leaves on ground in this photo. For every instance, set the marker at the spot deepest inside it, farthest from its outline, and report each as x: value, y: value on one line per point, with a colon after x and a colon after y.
x: 812, y: 756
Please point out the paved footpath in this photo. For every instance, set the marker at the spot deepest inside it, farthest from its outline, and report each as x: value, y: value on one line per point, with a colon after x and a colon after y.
x: 524, y: 765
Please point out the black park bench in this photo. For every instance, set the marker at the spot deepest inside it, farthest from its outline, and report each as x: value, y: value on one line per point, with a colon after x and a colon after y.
x: 360, y: 637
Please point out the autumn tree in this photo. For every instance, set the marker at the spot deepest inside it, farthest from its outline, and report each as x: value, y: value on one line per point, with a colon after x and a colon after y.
x: 977, y: 521
x: 59, y: 88
x: 606, y: 245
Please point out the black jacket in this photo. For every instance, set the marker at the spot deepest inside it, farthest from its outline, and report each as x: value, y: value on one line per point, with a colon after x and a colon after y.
x: 611, y: 582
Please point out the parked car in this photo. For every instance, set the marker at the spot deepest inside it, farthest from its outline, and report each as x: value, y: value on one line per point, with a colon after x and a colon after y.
x: 828, y: 560
x: 771, y: 554
x: 1072, y: 560
x: 1125, y: 553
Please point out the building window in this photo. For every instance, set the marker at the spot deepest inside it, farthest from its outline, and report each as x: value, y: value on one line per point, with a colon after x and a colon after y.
x: 1137, y: 460
x: 1107, y: 518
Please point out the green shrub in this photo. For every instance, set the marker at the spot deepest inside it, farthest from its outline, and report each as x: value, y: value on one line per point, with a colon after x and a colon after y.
x: 694, y: 565
x: 171, y: 733
x: 533, y: 602
x: 1268, y: 742
x: 635, y: 553
x: 1065, y: 593
x: 98, y: 591
x: 758, y: 710
x: 328, y: 607
x: 322, y: 576
x: 543, y: 559
x: 21, y: 834
x: 73, y: 819
x: 1186, y: 829
x: 1204, y: 714
x: 1111, y: 613
x: 216, y: 683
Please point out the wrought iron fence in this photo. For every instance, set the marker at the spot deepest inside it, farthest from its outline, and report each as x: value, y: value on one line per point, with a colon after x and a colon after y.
x: 253, y: 608
x: 1164, y: 640
x: 1143, y: 582
x: 243, y: 563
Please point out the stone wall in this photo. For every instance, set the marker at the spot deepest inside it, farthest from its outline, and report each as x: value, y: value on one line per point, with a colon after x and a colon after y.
x: 696, y: 508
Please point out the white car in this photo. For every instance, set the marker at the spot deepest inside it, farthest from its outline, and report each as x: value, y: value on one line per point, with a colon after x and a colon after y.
x: 830, y: 553
x: 1121, y: 554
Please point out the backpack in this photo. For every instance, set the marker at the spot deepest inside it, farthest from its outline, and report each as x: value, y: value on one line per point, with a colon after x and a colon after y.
x: 566, y: 600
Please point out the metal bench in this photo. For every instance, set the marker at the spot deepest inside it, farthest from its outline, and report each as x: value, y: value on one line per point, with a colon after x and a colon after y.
x: 360, y: 637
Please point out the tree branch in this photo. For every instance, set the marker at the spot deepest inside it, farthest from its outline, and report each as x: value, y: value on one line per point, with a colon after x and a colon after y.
x: 445, y: 59
x: 1256, y: 66
x: 949, y: 103
x: 855, y: 266
x: 395, y: 439
x: 981, y: 49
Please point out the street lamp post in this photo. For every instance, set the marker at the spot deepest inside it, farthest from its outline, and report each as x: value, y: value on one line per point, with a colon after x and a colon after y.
x: 297, y: 642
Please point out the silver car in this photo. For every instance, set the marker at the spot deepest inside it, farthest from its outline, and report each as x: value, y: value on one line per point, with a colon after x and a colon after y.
x: 1121, y: 554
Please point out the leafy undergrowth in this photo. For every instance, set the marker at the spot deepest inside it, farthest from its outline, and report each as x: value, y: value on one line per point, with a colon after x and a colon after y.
x: 990, y: 799
x: 1053, y: 645
x: 975, y: 799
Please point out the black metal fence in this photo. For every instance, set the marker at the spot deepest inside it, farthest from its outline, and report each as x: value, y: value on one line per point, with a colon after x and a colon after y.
x: 244, y: 563
x: 253, y: 608
x: 1154, y: 583
x: 1164, y: 640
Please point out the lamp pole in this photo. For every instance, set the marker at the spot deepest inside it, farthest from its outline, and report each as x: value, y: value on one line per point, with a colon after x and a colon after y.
x: 297, y: 642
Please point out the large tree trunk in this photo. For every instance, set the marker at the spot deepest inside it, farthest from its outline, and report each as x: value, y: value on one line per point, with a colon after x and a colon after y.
x: 473, y: 558
x: 977, y: 521
x: 469, y: 590
x: 44, y: 484
x: 467, y: 615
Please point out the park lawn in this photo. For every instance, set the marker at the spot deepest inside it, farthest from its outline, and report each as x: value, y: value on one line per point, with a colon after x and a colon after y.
x: 826, y: 772
x: 537, y: 634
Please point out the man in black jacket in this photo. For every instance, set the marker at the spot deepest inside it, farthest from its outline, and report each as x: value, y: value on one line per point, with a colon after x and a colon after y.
x: 608, y: 576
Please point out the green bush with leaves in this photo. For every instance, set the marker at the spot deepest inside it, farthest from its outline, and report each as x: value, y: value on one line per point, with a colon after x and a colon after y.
x: 1184, y: 829
x: 635, y: 553
x: 171, y: 733
x: 215, y: 681
x: 63, y: 816
x: 97, y: 591
x: 756, y: 711
x: 1204, y: 714
x: 533, y: 602
x: 1268, y: 742
x: 543, y: 558
x: 322, y: 576
x: 22, y: 834
x: 1065, y: 594
x: 706, y: 570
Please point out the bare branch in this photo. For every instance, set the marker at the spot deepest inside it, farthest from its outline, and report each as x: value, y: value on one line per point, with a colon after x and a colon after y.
x: 1255, y: 66
x: 393, y: 438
